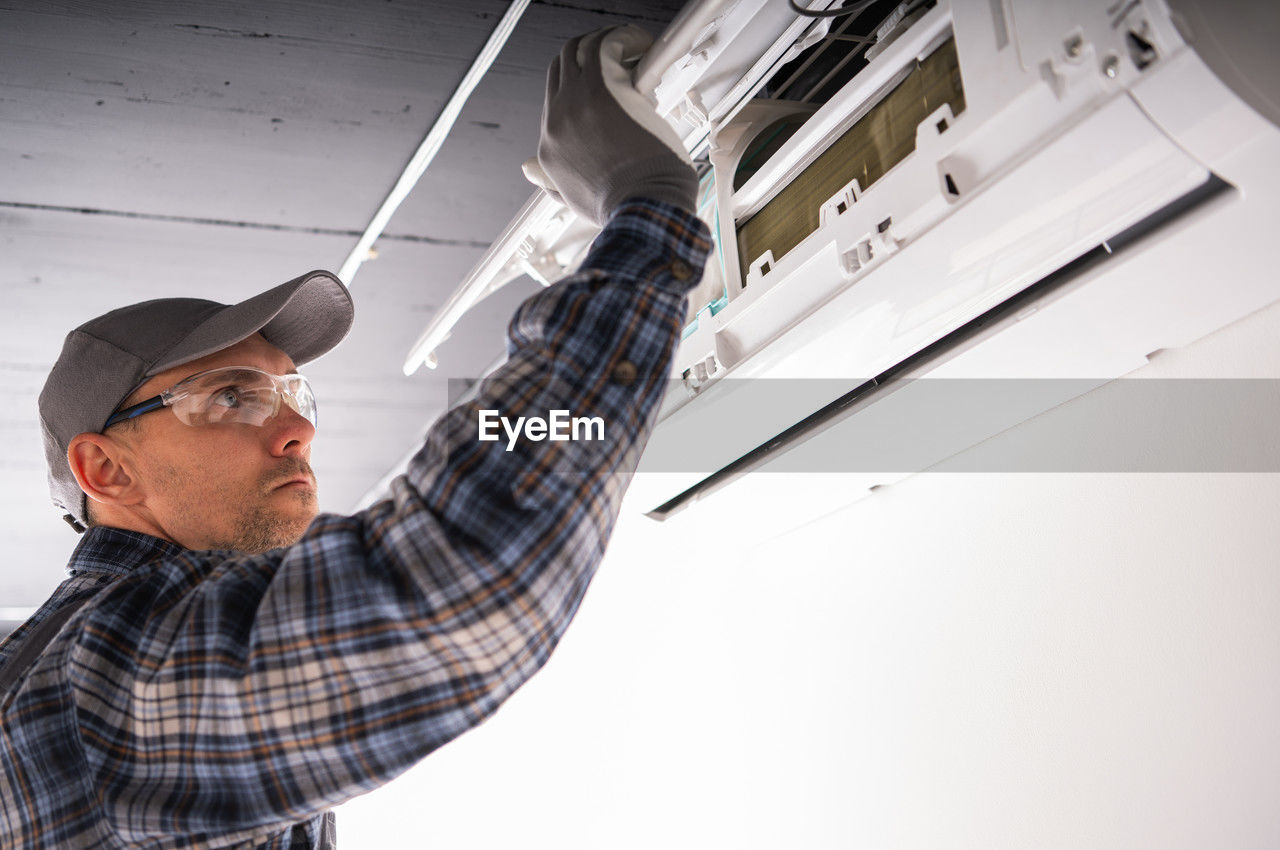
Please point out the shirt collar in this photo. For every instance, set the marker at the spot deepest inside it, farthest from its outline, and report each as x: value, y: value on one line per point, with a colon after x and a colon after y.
x: 117, y: 551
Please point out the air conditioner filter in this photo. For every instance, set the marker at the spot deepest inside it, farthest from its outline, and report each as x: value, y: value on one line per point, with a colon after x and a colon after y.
x: 879, y: 140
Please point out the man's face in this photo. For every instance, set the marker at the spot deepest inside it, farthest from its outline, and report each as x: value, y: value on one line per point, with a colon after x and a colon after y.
x: 228, y: 485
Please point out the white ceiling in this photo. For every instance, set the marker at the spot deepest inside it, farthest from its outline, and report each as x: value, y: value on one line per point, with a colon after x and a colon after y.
x: 214, y: 149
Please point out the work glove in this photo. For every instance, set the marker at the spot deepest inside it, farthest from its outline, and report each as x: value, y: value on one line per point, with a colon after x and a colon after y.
x: 602, y: 142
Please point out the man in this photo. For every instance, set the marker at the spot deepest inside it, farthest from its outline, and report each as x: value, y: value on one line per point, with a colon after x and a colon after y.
x: 223, y: 666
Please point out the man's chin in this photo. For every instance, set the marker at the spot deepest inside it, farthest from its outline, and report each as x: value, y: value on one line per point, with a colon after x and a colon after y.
x: 278, y: 524
x: 295, y: 521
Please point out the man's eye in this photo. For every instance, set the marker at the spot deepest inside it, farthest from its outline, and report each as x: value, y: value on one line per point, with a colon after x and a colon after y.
x: 226, y: 397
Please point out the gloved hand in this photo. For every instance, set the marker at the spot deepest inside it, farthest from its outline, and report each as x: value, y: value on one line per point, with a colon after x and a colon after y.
x: 602, y: 141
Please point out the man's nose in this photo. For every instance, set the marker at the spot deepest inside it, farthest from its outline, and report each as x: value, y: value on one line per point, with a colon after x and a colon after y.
x: 289, y: 433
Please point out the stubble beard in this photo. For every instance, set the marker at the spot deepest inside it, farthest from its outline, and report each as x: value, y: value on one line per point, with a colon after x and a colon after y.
x: 270, y: 527
x: 262, y: 520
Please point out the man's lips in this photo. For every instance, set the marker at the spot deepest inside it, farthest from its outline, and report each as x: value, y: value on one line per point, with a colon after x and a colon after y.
x: 292, y: 473
x: 297, y: 481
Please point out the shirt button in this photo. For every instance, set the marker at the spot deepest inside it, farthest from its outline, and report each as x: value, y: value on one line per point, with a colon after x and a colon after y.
x: 624, y: 373
x: 680, y: 270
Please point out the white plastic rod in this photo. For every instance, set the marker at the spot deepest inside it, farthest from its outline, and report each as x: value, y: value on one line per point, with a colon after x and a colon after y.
x: 492, y: 271
x: 434, y: 139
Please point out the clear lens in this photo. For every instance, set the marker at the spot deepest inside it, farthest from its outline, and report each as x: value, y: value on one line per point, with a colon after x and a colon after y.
x: 239, y: 395
x: 298, y: 395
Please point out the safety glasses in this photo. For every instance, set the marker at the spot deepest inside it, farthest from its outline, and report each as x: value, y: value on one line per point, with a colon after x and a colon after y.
x: 233, y: 394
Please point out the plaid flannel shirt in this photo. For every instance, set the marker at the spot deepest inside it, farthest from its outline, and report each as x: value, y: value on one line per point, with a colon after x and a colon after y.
x: 215, y: 699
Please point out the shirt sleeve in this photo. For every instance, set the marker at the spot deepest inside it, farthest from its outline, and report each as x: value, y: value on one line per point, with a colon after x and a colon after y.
x: 226, y: 695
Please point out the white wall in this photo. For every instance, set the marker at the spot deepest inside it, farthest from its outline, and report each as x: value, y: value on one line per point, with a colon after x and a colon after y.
x: 958, y: 660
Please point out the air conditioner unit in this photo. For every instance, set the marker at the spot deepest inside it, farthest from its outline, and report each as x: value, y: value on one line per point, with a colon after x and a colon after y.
x: 959, y: 188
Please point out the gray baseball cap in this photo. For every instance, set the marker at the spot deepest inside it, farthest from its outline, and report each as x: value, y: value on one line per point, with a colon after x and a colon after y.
x: 104, y: 360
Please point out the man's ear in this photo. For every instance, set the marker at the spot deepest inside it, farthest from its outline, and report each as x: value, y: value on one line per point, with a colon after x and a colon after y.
x: 103, y: 468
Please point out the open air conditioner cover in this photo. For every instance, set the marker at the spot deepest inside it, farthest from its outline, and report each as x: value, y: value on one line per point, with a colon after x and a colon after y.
x: 968, y: 189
